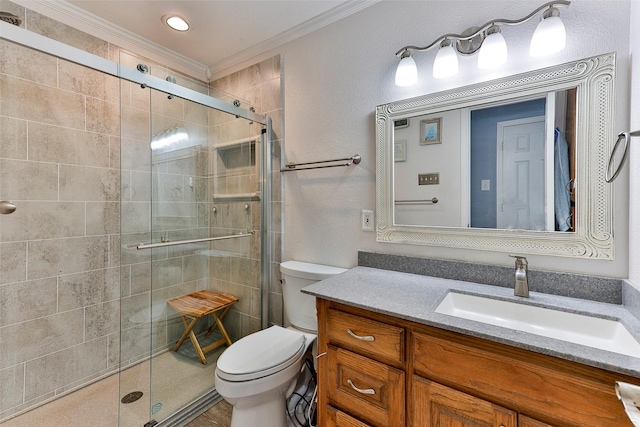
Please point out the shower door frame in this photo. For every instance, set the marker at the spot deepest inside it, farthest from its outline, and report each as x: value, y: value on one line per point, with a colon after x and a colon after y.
x: 60, y: 50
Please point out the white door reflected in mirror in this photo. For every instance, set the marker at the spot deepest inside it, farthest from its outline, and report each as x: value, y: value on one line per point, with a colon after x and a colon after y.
x: 521, y: 184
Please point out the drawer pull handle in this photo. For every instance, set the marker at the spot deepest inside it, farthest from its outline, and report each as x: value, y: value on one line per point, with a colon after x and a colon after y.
x: 359, y: 390
x: 365, y: 338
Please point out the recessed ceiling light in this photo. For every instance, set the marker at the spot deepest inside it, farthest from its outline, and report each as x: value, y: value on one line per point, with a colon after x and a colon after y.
x: 176, y: 22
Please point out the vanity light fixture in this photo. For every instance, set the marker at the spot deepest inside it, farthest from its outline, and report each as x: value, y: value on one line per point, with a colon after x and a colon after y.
x: 176, y: 22
x: 446, y: 63
x: 407, y: 72
x: 493, y: 52
x: 549, y: 37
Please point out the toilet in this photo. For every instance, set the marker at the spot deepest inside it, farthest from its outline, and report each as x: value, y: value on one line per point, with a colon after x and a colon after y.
x: 256, y: 373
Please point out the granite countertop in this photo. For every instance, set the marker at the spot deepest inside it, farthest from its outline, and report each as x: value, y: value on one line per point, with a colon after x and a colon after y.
x: 415, y: 297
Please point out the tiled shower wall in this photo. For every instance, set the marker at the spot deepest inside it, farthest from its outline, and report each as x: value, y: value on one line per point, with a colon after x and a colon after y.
x: 262, y: 85
x: 235, y: 207
x: 59, y: 163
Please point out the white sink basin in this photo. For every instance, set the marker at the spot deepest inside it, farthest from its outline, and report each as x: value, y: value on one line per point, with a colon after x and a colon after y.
x: 595, y: 332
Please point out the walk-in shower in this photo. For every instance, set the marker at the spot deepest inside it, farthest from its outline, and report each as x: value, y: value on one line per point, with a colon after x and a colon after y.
x: 132, y: 186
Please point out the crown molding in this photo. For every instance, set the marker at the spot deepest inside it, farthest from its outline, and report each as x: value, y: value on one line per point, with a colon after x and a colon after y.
x: 337, y: 13
x: 84, y: 21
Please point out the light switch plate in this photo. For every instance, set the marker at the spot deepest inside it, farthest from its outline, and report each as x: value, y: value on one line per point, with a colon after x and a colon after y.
x: 429, y: 178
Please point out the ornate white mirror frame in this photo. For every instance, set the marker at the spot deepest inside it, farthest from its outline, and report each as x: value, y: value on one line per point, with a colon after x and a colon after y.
x: 594, y: 79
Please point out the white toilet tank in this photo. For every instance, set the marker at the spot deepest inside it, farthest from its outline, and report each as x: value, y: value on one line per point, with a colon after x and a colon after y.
x: 299, y: 308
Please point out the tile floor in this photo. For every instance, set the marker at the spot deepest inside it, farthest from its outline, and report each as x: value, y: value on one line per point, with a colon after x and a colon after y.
x: 218, y: 416
x: 173, y: 378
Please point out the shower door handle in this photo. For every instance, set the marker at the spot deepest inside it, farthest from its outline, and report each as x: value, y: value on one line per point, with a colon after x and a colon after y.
x: 7, y: 207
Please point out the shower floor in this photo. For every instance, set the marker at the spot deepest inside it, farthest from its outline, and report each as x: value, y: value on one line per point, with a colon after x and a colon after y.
x: 175, y: 377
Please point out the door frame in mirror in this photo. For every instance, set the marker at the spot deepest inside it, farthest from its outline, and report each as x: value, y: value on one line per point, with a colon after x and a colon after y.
x: 593, y: 236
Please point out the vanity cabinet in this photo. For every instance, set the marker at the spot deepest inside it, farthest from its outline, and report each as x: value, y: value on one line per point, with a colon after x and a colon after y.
x: 546, y: 388
x: 377, y: 371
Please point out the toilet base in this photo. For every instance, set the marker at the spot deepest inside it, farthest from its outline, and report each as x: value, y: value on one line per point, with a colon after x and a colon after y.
x: 260, y: 402
x: 269, y: 413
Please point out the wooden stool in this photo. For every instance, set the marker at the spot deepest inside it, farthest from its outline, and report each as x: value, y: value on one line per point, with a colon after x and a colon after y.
x: 193, y: 307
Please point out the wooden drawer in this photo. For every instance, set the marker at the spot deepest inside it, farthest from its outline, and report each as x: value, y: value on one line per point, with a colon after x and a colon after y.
x: 555, y: 391
x: 337, y: 418
x: 369, y: 390
x: 437, y: 405
x: 377, y: 340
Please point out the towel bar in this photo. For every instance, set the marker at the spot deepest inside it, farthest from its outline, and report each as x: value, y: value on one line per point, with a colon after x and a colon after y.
x: 431, y: 201
x: 353, y: 160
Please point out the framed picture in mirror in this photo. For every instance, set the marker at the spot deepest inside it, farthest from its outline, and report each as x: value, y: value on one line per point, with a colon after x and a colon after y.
x: 430, y: 131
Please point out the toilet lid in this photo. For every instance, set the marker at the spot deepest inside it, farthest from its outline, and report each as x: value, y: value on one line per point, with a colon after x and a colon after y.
x: 260, y: 354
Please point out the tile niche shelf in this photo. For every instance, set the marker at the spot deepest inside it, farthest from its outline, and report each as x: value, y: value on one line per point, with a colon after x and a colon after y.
x: 238, y: 142
x: 237, y: 197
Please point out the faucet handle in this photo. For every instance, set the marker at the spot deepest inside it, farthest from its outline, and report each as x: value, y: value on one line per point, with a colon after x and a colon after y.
x: 520, y: 260
x: 522, y: 285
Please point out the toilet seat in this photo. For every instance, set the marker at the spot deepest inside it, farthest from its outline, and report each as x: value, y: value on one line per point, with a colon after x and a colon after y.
x: 261, y: 354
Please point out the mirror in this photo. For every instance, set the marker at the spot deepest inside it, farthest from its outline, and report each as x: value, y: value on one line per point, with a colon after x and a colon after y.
x: 516, y: 168
x: 513, y: 165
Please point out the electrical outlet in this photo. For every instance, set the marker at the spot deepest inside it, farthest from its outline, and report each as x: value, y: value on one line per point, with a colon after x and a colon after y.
x: 367, y: 220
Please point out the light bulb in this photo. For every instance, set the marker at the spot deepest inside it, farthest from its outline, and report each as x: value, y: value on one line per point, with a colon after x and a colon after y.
x: 176, y: 22
x: 446, y: 62
x: 407, y: 72
x: 550, y: 35
x: 493, y: 52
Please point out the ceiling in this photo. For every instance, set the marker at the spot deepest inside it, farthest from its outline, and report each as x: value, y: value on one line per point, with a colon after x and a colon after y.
x: 223, y: 32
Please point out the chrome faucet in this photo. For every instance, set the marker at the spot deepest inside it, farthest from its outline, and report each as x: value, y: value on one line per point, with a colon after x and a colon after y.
x: 522, y: 282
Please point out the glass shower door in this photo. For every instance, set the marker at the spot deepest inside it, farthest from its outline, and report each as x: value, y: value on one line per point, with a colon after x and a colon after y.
x: 179, y: 212
x: 196, y: 178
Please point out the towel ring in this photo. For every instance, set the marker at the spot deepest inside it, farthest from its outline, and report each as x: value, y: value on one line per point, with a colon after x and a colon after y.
x: 622, y: 136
